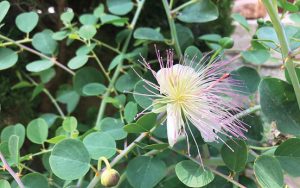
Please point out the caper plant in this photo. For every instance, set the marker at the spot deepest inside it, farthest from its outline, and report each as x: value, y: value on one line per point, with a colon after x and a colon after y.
x: 141, y: 103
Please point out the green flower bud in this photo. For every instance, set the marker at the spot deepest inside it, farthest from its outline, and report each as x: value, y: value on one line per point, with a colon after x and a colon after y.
x: 260, y: 21
x: 110, y: 178
x: 226, y: 42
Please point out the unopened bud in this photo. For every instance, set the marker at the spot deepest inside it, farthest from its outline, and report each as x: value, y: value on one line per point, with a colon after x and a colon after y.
x: 110, y: 178
x: 226, y: 42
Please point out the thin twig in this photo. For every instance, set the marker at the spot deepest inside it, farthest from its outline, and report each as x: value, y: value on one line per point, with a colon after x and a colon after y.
x: 39, y: 54
x: 46, y: 91
x: 12, y: 173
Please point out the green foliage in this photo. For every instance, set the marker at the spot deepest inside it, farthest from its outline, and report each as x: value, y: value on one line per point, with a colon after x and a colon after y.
x: 278, y: 103
x: 288, y: 156
x: 26, y: 22
x: 148, y: 34
x: 268, y: 172
x: 257, y: 57
x: 113, y: 127
x: 44, y: 42
x: 8, y: 58
x: 151, y: 171
x: 249, y: 79
x: 37, y: 131
x: 235, y: 154
x: 77, y: 79
x: 199, y: 12
x: 69, y: 159
x: 97, y: 148
x: 192, y: 175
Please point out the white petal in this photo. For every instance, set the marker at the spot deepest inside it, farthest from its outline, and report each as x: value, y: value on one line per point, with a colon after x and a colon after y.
x: 174, y: 123
x: 168, y: 77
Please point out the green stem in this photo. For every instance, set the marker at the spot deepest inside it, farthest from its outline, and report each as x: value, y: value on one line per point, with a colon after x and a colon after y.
x: 13, y: 43
x: 248, y: 111
x: 98, y: 42
x: 29, y: 157
x: 100, y: 65
x: 183, y: 6
x: 285, y: 49
x: 262, y: 148
x: 129, y: 148
x: 120, y: 65
x: 174, y: 36
x: 39, y: 54
x: 213, y: 57
x: 52, y: 99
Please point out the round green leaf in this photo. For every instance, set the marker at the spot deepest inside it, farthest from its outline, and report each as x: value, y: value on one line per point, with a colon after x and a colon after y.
x: 288, y: 155
x: 255, y: 129
x: 143, y: 101
x: 116, y: 60
x: 94, y: 89
x: 78, y: 61
x: 143, y: 124
x: 147, y: 121
x: 4, y: 6
x: 70, y: 124
x: 67, y: 17
x: 241, y: 20
x: 146, y: 33
x: 278, y: 103
x: 199, y: 12
x: 235, y: 160
x: 49, y: 118
x: 69, y: 159
x: 37, y: 131
x: 4, y: 183
x: 130, y: 111
x: 113, y: 127
x: 100, y: 144
x: 112, y: 19
x: 85, y: 49
x: 210, y: 37
x: 157, y: 146
x: 88, y: 19
x: 17, y: 129
x: 257, y: 57
x: 126, y: 82
x: 44, y: 42
x: 145, y: 172
x: 60, y: 35
x: 193, y: 53
x: 268, y: 172
x: 86, y: 76
x: 119, y: 7
x: 40, y: 65
x: 8, y: 58
x: 87, y: 32
x: 27, y: 21
x: 185, y: 36
x: 269, y: 36
x: 249, y: 79
x: 35, y: 180
x: 13, y: 148
x: 192, y: 174
x: 4, y: 149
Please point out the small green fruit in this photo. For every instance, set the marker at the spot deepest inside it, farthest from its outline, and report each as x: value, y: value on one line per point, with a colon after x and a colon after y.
x: 110, y: 178
x: 226, y: 42
x: 260, y: 21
